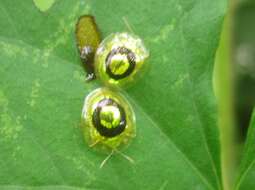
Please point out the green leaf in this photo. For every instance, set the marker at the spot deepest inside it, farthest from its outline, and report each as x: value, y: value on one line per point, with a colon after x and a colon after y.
x: 42, y: 88
x: 246, y: 175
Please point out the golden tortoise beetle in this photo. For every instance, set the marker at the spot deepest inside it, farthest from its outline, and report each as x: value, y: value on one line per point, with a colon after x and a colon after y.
x: 108, y: 120
x: 116, y: 61
x: 119, y: 58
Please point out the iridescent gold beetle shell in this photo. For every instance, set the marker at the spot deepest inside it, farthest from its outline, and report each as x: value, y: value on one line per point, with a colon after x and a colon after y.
x: 119, y: 58
x: 108, y: 120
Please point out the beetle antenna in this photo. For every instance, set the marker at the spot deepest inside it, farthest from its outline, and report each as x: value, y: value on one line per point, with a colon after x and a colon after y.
x: 94, y: 144
x: 125, y: 156
x: 127, y: 24
x: 106, y: 159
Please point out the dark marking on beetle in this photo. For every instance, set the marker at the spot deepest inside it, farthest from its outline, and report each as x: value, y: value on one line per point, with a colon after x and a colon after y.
x: 104, y: 131
x: 130, y: 57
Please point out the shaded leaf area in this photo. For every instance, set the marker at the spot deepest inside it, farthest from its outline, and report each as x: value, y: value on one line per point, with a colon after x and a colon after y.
x: 42, y: 87
x: 246, y: 176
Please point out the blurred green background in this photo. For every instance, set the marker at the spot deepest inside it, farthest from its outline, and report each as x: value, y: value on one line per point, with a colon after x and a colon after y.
x: 243, y: 60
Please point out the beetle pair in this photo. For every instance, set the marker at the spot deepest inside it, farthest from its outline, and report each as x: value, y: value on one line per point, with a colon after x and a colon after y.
x: 107, y: 118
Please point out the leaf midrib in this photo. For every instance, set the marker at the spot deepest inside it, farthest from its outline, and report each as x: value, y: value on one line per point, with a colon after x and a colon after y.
x: 171, y: 142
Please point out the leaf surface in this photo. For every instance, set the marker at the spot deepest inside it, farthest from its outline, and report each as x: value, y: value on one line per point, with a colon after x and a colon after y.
x: 246, y: 176
x: 42, y: 88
